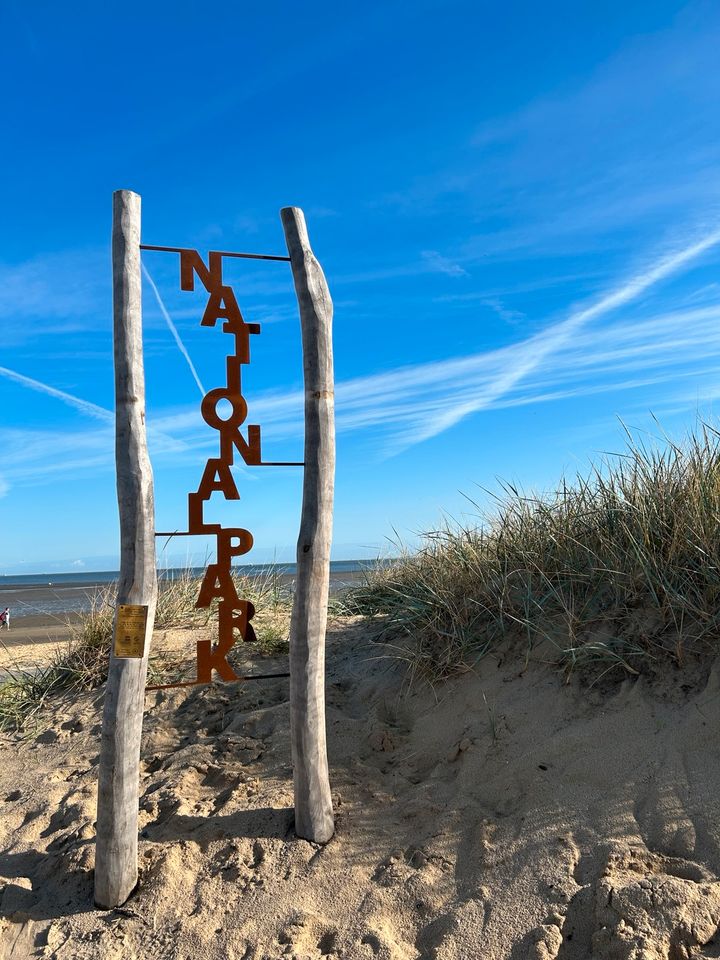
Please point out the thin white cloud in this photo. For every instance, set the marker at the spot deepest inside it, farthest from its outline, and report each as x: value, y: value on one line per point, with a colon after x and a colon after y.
x: 38, y: 289
x: 408, y: 404
x: 440, y: 264
x: 84, y: 406
x: 505, y: 313
x: 624, y: 355
x: 174, y: 331
x: 533, y: 351
x: 36, y: 456
x: 590, y: 167
x: 51, y: 448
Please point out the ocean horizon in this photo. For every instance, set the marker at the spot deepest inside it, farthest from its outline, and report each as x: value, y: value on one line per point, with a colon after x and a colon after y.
x: 72, y: 592
x: 170, y: 573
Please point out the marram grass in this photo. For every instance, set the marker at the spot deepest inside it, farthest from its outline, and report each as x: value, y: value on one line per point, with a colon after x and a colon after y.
x: 82, y: 664
x: 617, y: 571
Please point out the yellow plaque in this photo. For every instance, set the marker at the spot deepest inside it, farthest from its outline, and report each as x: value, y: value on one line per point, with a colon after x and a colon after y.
x: 130, y: 630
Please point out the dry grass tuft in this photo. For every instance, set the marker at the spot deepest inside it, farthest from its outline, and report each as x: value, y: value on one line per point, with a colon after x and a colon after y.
x: 83, y: 664
x: 273, y: 604
x: 618, y: 571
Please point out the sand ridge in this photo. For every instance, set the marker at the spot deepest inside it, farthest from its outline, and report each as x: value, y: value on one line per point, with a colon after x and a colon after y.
x: 504, y: 815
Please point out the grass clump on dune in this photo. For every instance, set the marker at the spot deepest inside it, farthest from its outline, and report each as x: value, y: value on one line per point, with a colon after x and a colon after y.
x: 272, y: 599
x: 82, y: 663
x: 616, y: 571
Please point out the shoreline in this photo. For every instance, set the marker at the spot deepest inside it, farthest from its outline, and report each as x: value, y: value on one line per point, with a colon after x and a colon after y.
x: 42, y: 614
x: 32, y: 641
x: 42, y: 604
x: 57, y: 601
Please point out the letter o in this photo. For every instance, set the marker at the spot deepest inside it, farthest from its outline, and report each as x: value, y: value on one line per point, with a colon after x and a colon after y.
x: 210, y: 414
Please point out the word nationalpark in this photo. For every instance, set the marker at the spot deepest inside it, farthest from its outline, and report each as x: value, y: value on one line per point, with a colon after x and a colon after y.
x: 225, y: 410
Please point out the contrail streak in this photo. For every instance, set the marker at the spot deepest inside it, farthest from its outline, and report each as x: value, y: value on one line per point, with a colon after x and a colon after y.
x: 535, y: 349
x: 173, y: 331
x: 100, y: 413
x: 84, y: 406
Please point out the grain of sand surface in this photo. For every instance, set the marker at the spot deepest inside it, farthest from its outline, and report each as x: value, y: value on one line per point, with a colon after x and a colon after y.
x: 504, y: 815
x: 32, y: 641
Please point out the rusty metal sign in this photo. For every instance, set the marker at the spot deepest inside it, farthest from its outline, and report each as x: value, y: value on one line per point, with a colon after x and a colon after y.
x: 130, y: 629
x: 234, y: 613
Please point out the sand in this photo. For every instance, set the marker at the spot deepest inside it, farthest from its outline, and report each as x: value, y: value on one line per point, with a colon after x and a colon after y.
x: 32, y: 641
x: 505, y: 815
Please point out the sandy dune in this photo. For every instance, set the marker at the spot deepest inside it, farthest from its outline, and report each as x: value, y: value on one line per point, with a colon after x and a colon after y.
x: 33, y: 641
x: 505, y: 816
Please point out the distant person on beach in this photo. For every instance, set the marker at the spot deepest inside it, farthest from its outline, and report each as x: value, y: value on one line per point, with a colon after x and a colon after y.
x: 5, y: 618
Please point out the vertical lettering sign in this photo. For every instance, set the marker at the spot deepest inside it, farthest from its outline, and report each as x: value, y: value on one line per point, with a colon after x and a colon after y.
x: 234, y: 614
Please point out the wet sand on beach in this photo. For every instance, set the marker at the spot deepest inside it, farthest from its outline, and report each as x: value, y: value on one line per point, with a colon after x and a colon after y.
x: 34, y: 637
x: 54, y: 600
x: 35, y: 632
x: 32, y: 641
x: 48, y: 600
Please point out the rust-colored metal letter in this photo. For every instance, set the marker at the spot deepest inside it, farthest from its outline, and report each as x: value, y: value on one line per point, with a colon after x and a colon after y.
x: 222, y: 305
x: 217, y: 476
x: 229, y: 620
x: 226, y: 549
x: 211, y: 658
x: 191, y: 263
x: 217, y: 582
x: 248, y: 449
x: 210, y: 414
x: 196, y: 523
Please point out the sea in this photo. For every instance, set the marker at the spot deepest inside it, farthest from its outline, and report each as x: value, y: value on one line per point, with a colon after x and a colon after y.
x: 63, y: 593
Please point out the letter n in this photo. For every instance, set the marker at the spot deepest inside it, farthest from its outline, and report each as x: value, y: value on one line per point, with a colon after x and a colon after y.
x: 191, y: 263
x: 248, y: 449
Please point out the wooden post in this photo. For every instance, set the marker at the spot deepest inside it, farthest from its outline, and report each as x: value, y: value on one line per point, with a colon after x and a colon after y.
x: 313, y: 803
x: 116, y: 869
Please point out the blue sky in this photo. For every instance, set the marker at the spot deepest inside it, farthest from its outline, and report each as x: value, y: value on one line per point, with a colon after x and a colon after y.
x: 517, y: 207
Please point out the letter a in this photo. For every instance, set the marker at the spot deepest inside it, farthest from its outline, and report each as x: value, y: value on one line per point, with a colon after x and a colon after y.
x: 217, y: 582
x: 217, y: 476
x: 223, y: 305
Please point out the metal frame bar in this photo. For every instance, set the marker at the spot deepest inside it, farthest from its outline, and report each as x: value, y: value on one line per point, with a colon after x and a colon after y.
x: 195, y: 683
x: 222, y: 253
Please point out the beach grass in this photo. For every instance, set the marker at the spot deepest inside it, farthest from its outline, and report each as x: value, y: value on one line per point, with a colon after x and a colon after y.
x: 82, y: 663
x: 272, y: 598
x: 614, y: 572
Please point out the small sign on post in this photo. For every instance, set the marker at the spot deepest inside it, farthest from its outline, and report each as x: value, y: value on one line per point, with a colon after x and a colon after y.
x: 130, y: 628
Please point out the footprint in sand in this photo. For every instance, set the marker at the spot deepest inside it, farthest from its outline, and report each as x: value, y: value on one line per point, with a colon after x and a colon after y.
x: 244, y: 863
x: 664, y: 824
x: 69, y: 813
x: 308, y: 935
x: 373, y: 941
x: 641, y: 904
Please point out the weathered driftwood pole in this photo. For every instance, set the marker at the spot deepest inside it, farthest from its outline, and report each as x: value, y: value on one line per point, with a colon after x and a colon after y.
x: 117, y: 818
x: 313, y: 803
